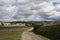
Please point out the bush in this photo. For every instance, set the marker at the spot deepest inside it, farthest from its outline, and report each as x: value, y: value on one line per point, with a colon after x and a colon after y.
x: 50, y: 31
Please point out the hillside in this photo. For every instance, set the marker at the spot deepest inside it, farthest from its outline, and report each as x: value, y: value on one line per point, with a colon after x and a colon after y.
x: 48, y: 29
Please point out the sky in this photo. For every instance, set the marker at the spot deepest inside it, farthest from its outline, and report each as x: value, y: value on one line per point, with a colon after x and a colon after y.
x: 29, y: 10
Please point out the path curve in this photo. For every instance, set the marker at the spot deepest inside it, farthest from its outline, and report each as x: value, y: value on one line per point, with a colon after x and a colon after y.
x: 27, y: 35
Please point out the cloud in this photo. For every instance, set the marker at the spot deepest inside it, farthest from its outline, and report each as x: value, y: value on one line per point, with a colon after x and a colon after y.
x: 29, y: 10
x: 6, y: 10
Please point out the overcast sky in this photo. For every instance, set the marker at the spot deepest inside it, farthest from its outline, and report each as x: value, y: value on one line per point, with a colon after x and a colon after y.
x: 29, y: 10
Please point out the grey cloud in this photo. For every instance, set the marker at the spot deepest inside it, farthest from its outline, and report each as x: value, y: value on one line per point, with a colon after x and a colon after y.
x: 27, y: 10
x: 29, y: 15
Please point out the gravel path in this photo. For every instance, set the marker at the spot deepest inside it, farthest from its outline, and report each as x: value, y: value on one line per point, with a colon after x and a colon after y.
x: 31, y: 36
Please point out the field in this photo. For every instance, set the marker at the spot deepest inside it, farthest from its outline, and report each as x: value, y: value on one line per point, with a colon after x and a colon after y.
x: 11, y: 33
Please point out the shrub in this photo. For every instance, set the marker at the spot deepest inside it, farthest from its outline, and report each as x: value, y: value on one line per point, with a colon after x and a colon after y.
x: 50, y: 31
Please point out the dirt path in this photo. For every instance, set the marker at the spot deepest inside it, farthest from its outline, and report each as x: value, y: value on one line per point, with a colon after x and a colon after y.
x: 31, y: 36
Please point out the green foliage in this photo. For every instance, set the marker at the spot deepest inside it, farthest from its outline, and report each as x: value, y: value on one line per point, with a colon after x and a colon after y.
x: 50, y: 31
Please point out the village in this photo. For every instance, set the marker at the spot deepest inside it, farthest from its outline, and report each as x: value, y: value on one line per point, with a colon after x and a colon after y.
x: 11, y: 24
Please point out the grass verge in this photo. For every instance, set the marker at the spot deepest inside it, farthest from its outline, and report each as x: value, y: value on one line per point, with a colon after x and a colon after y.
x: 11, y: 34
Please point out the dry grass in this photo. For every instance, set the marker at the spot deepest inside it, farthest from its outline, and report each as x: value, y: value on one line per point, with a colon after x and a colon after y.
x: 11, y: 34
